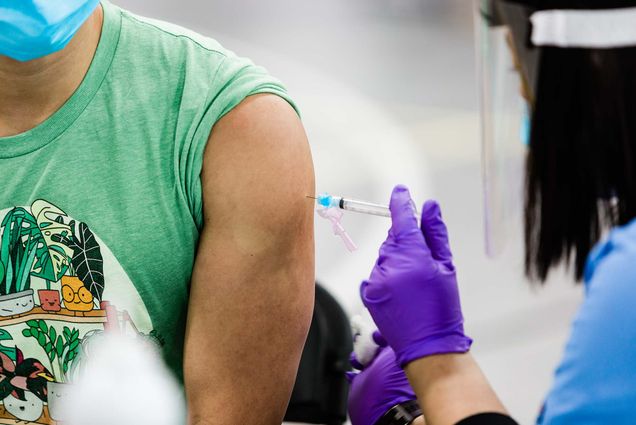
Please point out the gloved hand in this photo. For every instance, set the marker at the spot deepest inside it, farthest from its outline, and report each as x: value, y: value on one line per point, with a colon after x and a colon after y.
x: 380, y: 386
x: 412, y: 292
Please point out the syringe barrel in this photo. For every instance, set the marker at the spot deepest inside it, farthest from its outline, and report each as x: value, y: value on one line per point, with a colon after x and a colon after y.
x: 364, y: 207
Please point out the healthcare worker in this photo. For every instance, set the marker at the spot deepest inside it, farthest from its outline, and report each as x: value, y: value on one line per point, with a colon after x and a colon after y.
x: 129, y: 152
x: 577, y: 63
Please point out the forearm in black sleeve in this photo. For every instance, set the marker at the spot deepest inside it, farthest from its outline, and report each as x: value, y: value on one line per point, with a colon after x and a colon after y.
x: 488, y: 419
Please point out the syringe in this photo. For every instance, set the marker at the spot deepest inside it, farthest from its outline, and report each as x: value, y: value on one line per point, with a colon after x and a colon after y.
x: 362, y: 207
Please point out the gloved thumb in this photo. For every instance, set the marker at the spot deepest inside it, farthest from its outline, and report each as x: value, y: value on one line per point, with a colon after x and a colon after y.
x: 353, y: 360
x: 378, y: 338
x: 402, y: 212
x: 436, y: 234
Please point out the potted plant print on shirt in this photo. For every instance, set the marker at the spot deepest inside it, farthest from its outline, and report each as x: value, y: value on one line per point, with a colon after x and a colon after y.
x: 55, y: 257
x: 20, y: 237
x: 23, y: 386
x: 83, y: 287
x: 43, y: 338
x: 41, y: 243
x: 27, y: 249
x: 63, y: 352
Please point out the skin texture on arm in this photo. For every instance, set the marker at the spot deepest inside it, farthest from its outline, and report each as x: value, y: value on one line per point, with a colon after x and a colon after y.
x: 252, y: 293
x: 451, y: 387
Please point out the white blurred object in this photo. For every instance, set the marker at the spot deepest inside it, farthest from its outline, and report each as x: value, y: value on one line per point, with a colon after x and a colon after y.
x: 124, y: 381
x: 364, y: 345
x: 591, y: 29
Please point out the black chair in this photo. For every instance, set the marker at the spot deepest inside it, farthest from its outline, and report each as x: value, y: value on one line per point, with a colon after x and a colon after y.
x: 321, y: 389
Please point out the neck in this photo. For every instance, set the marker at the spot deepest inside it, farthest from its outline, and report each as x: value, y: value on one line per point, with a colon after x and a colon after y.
x: 32, y: 91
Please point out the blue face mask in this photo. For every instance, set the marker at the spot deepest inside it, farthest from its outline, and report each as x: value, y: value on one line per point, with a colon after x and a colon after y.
x: 31, y: 29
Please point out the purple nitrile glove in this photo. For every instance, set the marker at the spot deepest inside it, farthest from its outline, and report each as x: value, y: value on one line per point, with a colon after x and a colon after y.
x: 412, y: 292
x: 380, y: 386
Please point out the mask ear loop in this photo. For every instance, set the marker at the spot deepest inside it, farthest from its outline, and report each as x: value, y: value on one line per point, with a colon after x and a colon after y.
x: 614, y: 209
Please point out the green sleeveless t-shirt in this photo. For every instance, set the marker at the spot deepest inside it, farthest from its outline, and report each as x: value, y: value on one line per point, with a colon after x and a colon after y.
x: 101, y: 205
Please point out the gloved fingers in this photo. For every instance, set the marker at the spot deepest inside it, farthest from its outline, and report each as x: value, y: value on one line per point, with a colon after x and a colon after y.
x: 379, y: 270
x: 379, y: 339
x: 353, y: 359
x: 436, y: 234
x: 384, y: 259
x: 363, y: 291
x: 372, y: 294
x: 403, y: 217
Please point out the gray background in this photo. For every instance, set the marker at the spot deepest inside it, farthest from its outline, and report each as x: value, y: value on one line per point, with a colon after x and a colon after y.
x: 388, y: 93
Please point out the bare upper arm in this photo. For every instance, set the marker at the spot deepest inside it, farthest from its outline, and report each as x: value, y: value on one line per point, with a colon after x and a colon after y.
x: 257, y: 172
x: 252, y: 288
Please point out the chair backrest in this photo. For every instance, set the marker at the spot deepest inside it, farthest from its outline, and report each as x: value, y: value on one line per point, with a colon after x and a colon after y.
x: 321, y: 389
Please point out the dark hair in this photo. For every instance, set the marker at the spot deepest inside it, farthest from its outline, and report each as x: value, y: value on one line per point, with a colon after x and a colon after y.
x: 582, y: 159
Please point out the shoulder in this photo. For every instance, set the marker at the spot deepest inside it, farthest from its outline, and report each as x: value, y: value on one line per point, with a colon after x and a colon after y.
x: 160, y: 33
x: 612, y: 263
x: 200, y: 69
x: 172, y: 53
x: 257, y: 172
x: 262, y: 135
x: 610, y: 282
x: 177, y: 62
x: 594, y: 380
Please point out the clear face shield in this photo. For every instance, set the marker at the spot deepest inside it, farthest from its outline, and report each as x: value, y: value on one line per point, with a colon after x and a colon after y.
x: 506, y: 67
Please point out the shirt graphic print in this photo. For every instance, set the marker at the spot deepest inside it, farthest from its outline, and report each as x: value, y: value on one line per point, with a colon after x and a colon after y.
x: 60, y: 289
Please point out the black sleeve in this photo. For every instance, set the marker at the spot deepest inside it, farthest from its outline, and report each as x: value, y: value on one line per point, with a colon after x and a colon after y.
x: 488, y: 419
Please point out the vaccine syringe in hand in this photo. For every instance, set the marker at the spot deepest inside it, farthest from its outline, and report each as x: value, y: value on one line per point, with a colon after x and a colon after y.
x: 363, y: 207
x: 331, y: 207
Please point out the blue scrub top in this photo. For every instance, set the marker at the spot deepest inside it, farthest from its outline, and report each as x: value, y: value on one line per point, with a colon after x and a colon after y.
x: 596, y: 380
